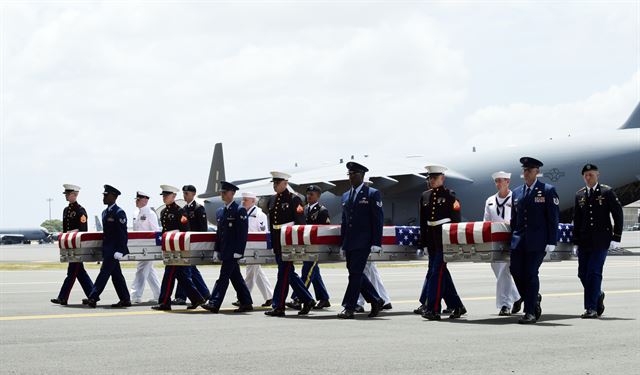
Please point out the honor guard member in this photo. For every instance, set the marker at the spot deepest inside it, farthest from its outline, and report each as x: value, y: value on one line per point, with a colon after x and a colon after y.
x: 231, y: 240
x: 285, y: 209
x: 438, y: 206
x: 361, y: 232
x: 74, y: 217
x: 497, y: 209
x: 595, y: 204
x: 255, y: 275
x: 197, y: 217
x: 173, y: 218
x: 534, y: 232
x: 314, y: 213
x: 145, y: 221
x: 114, y: 247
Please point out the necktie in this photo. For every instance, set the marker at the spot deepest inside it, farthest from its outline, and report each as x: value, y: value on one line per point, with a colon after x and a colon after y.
x: 351, y: 195
x: 590, y: 192
x: 526, y: 193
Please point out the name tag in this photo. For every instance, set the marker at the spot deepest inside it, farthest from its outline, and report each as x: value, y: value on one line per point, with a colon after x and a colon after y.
x: 539, y: 199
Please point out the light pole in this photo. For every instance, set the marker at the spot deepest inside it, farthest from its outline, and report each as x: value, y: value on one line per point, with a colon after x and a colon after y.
x: 49, y: 200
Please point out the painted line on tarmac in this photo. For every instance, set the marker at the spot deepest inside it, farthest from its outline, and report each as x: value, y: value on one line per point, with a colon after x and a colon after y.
x: 183, y: 311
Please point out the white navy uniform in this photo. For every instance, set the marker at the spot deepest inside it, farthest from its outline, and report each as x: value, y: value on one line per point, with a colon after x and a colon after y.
x: 145, y: 221
x: 498, y: 209
x: 255, y: 275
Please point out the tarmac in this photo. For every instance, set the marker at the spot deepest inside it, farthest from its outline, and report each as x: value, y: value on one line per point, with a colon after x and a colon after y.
x: 37, y: 337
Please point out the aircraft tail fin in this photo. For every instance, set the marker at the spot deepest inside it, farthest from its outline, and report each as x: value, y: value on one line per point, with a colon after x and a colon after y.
x: 633, y: 122
x: 216, y: 173
x: 98, y: 224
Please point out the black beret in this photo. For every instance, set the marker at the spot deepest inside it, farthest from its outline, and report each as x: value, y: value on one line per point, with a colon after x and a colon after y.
x: 589, y: 167
x: 352, y: 166
x: 529, y: 162
x: 190, y: 188
x: 228, y: 186
x: 108, y: 189
x: 315, y: 188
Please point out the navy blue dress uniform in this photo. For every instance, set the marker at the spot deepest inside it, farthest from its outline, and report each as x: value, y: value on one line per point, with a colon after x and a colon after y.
x: 437, y: 207
x: 74, y: 217
x: 231, y: 240
x: 361, y: 229
x: 173, y: 217
x: 534, y: 229
x: 197, y: 217
x: 594, y: 234
x: 114, y: 246
x: 317, y: 214
x: 286, y: 209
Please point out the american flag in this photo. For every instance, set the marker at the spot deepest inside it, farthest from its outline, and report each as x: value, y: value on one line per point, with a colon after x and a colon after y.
x: 565, y: 233
x: 407, y: 236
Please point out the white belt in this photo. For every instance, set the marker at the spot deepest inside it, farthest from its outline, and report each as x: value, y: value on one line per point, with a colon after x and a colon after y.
x: 439, y: 222
x: 280, y: 226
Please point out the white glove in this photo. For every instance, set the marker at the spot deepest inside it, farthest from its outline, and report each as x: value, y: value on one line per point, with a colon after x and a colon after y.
x: 575, y: 250
x: 550, y: 248
x: 216, y: 256
x: 420, y: 252
x: 342, y: 253
x: 117, y: 255
x: 376, y: 249
x: 237, y: 256
x: 614, y: 245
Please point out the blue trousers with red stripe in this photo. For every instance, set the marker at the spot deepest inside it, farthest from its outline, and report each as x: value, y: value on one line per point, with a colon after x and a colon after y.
x: 359, y: 283
x: 75, y: 271
x: 440, y: 284
x: 287, y: 276
x: 110, y: 268
x: 198, y: 281
x: 311, y: 276
x: 230, y: 272
x: 183, y: 275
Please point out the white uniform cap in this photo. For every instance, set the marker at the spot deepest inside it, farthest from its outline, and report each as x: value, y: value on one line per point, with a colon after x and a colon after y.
x: 70, y: 188
x: 142, y: 194
x: 435, y: 169
x: 168, y: 189
x: 280, y: 176
x: 249, y: 194
x: 501, y: 174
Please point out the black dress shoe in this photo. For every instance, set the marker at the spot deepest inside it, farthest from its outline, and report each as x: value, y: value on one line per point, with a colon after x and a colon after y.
x: 267, y: 303
x: 322, y: 304
x: 275, y: 312
x: 85, y: 301
x: 359, y: 309
x: 517, y: 306
x: 306, y: 307
x: 236, y: 303
x: 458, y: 312
x: 346, y: 314
x: 420, y: 310
x: 600, y: 308
x: 430, y: 315
x: 589, y: 314
x: 376, y: 307
x: 196, y: 304
x: 243, y: 308
x: 122, y: 304
x: 387, y: 306
x: 504, y: 311
x: 161, y: 307
x: 178, y: 301
x: 59, y: 301
x: 211, y: 307
x: 296, y: 305
x: 92, y: 303
x: 448, y: 310
x: 527, y: 319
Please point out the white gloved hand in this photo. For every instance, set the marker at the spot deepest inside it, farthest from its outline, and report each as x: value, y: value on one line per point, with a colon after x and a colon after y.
x: 575, y: 250
x: 550, y: 248
x: 237, y: 256
x: 216, y: 256
x: 117, y: 255
x: 376, y: 249
x: 614, y: 245
x: 343, y: 253
x: 420, y: 252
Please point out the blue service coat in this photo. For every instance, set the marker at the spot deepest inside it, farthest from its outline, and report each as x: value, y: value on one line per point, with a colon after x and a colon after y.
x: 114, y: 224
x: 534, y: 219
x: 362, y: 220
x: 233, y: 229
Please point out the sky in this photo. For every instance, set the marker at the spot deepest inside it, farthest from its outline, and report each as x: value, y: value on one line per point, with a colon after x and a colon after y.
x: 136, y: 93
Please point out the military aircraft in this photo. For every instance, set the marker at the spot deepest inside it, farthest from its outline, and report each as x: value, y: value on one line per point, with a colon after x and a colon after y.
x: 25, y: 235
x: 401, y: 180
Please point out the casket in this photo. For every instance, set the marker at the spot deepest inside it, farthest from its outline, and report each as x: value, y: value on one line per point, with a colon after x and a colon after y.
x: 87, y: 246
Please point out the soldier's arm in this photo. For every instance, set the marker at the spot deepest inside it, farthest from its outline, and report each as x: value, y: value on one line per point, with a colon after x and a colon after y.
x: 377, y: 221
x: 552, y: 203
x: 615, y: 207
x: 216, y: 246
x: 122, y: 233
x: 153, y: 221
x: 82, y: 217
x: 423, y: 222
x: 201, y: 216
x: 298, y: 211
x: 514, y: 213
x: 456, y: 208
x: 487, y: 213
x: 577, y: 220
x: 323, y: 217
x: 183, y: 222
x: 343, y: 223
x: 243, y: 230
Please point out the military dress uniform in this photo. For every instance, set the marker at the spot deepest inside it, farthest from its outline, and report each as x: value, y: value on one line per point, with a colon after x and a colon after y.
x: 361, y: 229
x: 231, y: 240
x: 197, y: 217
x: 114, y: 246
x: 437, y: 207
x: 286, y: 209
x: 593, y: 234
x: 74, y: 217
x: 145, y: 221
x: 254, y: 274
x: 173, y: 218
x: 534, y: 229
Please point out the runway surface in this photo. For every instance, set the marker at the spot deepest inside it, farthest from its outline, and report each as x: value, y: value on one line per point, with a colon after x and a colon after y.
x: 38, y: 337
